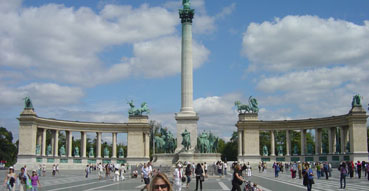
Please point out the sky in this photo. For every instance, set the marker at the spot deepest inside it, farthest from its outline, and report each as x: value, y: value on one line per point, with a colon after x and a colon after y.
x: 83, y: 60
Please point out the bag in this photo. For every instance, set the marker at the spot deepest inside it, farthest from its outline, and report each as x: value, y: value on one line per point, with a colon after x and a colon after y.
x: 202, y: 178
x: 183, y: 179
x: 312, y: 181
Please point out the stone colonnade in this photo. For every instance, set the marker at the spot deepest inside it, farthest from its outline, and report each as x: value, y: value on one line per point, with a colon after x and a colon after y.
x: 352, y: 128
x: 33, y: 130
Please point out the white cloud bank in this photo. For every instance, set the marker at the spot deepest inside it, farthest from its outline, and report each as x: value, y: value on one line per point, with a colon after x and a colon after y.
x: 313, y: 63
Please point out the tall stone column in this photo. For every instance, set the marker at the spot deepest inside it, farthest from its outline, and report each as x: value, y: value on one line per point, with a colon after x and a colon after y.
x: 68, y: 135
x: 244, y: 142
x: 187, y: 117
x: 303, y: 141
x: 56, y: 143
x: 318, y: 141
x: 240, y: 143
x: 83, y: 144
x: 52, y: 142
x: 44, y: 142
x: 343, y: 139
x: 288, y: 143
x: 332, y: 140
x: 147, y: 144
x: 98, y: 144
x: 39, y: 137
x: 272, y: 143
x: 114, y: 145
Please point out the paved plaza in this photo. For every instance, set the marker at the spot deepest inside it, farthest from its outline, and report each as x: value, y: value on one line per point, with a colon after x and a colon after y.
x: 75, y: 180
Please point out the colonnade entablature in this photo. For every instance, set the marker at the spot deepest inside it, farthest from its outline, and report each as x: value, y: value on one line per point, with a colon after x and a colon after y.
x: 346, y: 134
x: 34, y: 149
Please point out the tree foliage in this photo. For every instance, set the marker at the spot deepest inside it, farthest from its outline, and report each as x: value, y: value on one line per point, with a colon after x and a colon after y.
x: 8, y: 150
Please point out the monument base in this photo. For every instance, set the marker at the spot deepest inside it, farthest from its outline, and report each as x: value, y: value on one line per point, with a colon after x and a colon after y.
x: 170, y: 159
x: 189, y: 123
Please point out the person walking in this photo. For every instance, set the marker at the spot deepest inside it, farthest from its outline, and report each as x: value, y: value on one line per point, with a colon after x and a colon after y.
x: 308, y: 177
x: 87, y: 170
x: 350, y: 166
x: 43, y: 170
x: 276, y: 170
x: 343, y: 173
x: 318, y: 170
x: 325, y: 167
x: 225, y: 168
x: 237, y: 178
x: 359, y: 169
x: 299, y: 167
x: 35, y: 181
x: 100, y: 170
x: 199, y: 175
x: 23, y: 177
x: 10, y: 179
x: 248, y: 169
x: 146, y: 176
x: 177, y: 176
x: 188, y: 173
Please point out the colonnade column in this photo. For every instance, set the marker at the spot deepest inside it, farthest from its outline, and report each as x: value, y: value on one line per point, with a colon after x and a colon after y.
x: 147, y: 145
x: 239, y: 143
x: 288, y: 143
x: 272, y: 143
x: 44, y: 142
x: 318, y: 141
x: 332, y: 140
x: 68, y: 135
x: 83, y: 144
x: 98, y: 142
x: 56, y: 141
x: 303, y: 141
x: 244, y: 146
x: 343, y: 139
x: 114, y: 140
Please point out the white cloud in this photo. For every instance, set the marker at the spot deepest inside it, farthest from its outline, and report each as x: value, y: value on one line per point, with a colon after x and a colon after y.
x: 42, y: 94
x: 152, y: 61
x: 298, y: 42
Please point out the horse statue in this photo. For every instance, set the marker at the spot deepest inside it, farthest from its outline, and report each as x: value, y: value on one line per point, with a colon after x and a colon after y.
x: 139, y: 111
x: 169, y: 143
x: 186, y: 140
x: 159, y: 143
x: 253, y: 104
x: 27, y: 103
x: 356, y: 101
x: 241, y: 108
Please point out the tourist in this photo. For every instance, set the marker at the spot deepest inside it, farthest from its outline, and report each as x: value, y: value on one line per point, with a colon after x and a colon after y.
x: 39, y: 170
x: 326, y: 167
x: 237, y: 178
x: 276, y: 170
x: 107, y: 171
x: 43, y: 170
x: 160, y: 182
x: 100, y: 170
x: 54, y: 169
x: 220, y: 168
x: 225, y: 168
x: 350, y: 167
x: 57, y: 168
x: 330, y: 169
x: 23, y: 177
x: 259, y: 166
x: 193, y: 169
x: 358, y: 169
x: 87, y: 170
x: 248, y: 169
x: 318, y: 170
x: 343, y: 173
x: 177, y: 175
x: 188, y: 172
x: 299, y: 167
x: 199, y: 175
x: 10, y: 179
x: 206, y: 169
x: 308, y: 177
x: 35, y: 181
x: 293, y: 170
x: 122, y: 171
x: 146, y: 176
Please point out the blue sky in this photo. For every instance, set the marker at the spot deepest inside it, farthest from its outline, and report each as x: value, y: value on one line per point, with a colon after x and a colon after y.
x: 82, y: 60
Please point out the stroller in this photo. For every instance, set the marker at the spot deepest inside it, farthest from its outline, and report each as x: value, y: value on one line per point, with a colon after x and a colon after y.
x: 248, y: 186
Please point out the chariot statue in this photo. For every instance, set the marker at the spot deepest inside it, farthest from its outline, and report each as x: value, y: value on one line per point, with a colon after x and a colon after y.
x: 186, y: 140
x: 49, y: 150
x: 265, y: 150
x: 356, y: 101
x: 62, y: 150
x: 252, y: 107
x: 137, y: 111
x: 27, y: 103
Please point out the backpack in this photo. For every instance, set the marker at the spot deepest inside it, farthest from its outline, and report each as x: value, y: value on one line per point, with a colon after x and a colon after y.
x: 11, y: 181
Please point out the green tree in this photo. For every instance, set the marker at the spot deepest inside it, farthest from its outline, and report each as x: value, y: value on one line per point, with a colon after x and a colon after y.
x: 8, y: 150
x: 230, y: 149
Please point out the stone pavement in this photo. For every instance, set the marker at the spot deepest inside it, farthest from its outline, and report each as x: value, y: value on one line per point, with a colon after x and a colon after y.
x: 75, y: 180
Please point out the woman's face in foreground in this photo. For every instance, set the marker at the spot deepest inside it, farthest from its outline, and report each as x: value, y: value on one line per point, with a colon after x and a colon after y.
x: 160, y: 185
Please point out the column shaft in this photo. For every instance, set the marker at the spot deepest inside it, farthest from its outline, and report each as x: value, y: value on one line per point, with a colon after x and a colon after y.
x: 44, y: 142
x: 272, y: 143
x: 56, y: 143
x: 343, y: 139
x: 68, y: 136
x: 303, y: 141
x: 147, y: 145
x: 288, y: 143
x: 52, y: 142
x: 114, y: 140
x: 239, y: 143
x: 98, y: 142
x: 83, y: 143
x: 318, y: 141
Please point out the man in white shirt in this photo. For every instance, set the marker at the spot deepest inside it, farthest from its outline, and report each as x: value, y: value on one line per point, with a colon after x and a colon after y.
x: 146, y: 176
x: 177, y: 175
x: 100, y: 170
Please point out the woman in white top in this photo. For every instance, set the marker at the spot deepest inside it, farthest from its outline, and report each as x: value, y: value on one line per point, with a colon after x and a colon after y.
x: 177, y: 175
x: 10, y: 179
x: 248, y: 169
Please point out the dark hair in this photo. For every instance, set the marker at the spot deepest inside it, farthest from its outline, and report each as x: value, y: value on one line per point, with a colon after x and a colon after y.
x: 198, y: 165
